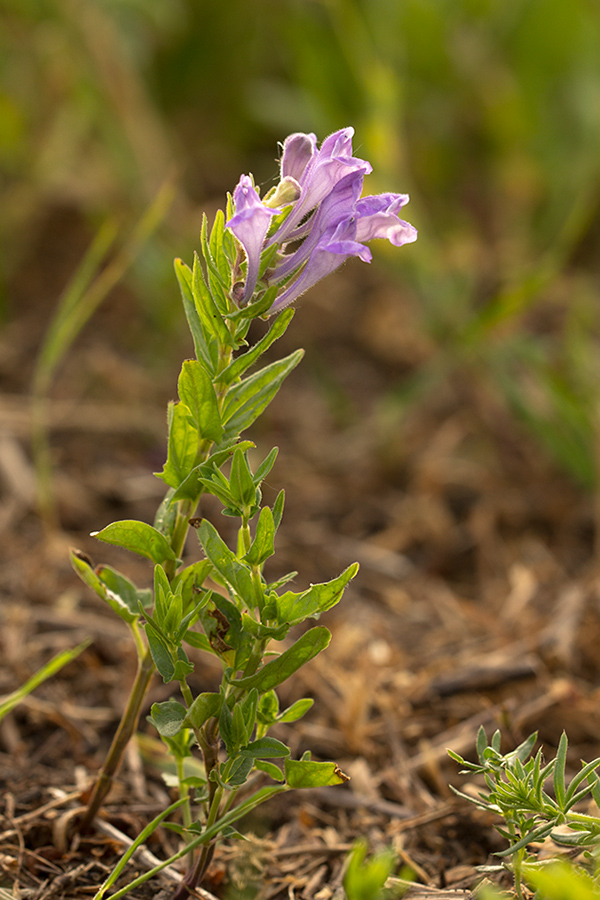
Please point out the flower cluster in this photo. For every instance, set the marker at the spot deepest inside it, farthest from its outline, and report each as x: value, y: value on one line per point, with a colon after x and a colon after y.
x: 315, y: 218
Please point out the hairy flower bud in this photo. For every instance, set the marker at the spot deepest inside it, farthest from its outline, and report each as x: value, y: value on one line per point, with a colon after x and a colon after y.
x: 287, y: 191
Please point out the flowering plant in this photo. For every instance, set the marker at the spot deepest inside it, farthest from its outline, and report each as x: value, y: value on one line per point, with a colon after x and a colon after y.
x: 258, y: 258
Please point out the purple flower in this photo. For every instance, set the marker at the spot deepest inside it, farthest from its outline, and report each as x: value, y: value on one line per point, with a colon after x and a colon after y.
x: 298, y: 150
x: 250, y: 225
x: 342, y: 223
x: 319, y: 175
x: 334, y: 209
x: 377, y: 219
x: 326, y: 221
x: 335, y: 245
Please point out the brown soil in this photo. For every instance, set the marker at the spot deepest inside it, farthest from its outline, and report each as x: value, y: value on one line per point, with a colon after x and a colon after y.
x: 476, y: 603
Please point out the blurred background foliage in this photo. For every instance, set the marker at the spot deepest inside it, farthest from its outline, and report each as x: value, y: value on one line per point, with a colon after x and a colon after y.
x: 486, y: 112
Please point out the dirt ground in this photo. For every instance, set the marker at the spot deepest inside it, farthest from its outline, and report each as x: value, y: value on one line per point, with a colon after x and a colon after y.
x: 477, y: 601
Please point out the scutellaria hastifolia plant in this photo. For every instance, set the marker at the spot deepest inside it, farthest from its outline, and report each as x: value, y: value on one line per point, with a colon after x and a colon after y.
x: 259, y: 257
x: 515, y: 789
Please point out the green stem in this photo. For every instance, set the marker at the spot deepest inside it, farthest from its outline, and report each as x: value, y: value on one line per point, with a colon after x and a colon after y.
x: 123, y: 734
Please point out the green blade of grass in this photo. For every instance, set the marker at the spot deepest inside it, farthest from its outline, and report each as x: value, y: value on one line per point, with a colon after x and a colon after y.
x: 51, y: 668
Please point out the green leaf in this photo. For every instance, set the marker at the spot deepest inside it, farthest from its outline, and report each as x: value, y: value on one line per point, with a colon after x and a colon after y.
x: 248, y: 399
x: 265, y: 467
x: 168, y: 717
x: 53, y: 666
x: 139, y: 537
x: 268, y: 708
x: 117, y: 603
x: 278, y: 670
x: 190, y: 580
x: 196, y: 390
x: 263, y: 544
x: 265, y: 748
x: 243, y: 362
x: 183, y: 667
x: 206, y: 350
x: 578, y: 779
x: 191, y: 488
x: 199, y: 641
x: 218, y: 285
x: 249, y: 707
x: 594, y: 783
x: 295, y: 608
x: 161, y: 654
x: 226, y: 563
x: 183, y: 445
x: 278, y: 508
x: 296, y: 710
x: 308, y: 774
x: 232, y: 728
x: 162, y: 592
x: 260, y: 307
x: 559, y: 770
x: 124, y: 589
x: 240, y: 771
x: 536, y: 834
x: 216, y: 245
x: 270, y: 769
x: 204, y: 707
x: 210, y: 317
x: 241, y: 482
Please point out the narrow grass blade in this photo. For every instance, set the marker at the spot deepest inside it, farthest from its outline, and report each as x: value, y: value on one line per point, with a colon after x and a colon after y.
x: 51, y: 668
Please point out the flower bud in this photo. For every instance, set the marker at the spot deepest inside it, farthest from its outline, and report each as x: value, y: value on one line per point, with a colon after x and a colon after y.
x: 287, y: 191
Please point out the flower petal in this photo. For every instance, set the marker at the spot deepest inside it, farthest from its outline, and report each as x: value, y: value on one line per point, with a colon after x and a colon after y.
x: 250, y: 224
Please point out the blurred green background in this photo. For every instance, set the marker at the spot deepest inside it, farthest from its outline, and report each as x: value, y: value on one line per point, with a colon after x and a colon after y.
x: 486, y: 112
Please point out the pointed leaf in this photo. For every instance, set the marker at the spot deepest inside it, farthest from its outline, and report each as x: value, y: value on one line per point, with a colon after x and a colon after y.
x: 240, y: 771
x: 241, y: 483
x: 167, y: 717
x: 160, y: 654
x: 182, y: 448
x: 265, y: 748
x: 206, y: 349
x: 309, y: 774
x: 296, y: 710
x: 117, y: 603
x: 204, y: 707
x: 278, y: 670
x: 139, y: 537
x: 243, y: 362
x: 196, y: 390
x: 248, y: 399
x: 269, y: 769
x: 226, y: 563
x: 124, y: 588
x: 295, y: 608
x: 208, y: 312
x: 559, y: 770
x: 263, y: 544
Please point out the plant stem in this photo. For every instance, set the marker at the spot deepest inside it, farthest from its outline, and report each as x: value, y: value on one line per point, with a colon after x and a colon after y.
x: 196, y: 872
x: 123, y: 734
